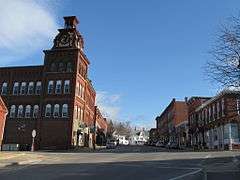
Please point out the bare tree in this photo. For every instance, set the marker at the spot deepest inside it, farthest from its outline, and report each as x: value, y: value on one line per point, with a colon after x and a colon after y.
x: 110, y: 128
x: 123, y: 128
x: 224, y: 68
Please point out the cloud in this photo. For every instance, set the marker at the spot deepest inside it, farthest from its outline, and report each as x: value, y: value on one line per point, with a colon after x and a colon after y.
x: 26, y: 27
x: 108, y: 104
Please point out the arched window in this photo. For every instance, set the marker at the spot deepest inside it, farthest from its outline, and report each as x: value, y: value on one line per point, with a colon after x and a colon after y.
x: 65, y: 110
x: 20, y: 111
x: 58, y: 87
x: 23, y: 88
x: 81, y: 115
x: 82, y: 93
x: 38, y: 88
x: 66, y: 86
x: 61, y: 67
x: 69, y: 67
x: 4, y: 88
x: 50, y: 87
x: 48, y: 110
x: 28, y: 111
x: 56, y: 110
x: 77, y: 88
x: 12, y: 111
x: 35, y: 111
x: 53, y: 67
x: 15, y: 88
x: 30, y: 88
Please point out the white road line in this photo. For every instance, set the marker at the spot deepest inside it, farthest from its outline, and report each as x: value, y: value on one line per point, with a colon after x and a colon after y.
x: 187, y: 174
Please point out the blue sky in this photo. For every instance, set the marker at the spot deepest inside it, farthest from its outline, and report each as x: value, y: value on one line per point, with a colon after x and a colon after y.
x: 142, y: 53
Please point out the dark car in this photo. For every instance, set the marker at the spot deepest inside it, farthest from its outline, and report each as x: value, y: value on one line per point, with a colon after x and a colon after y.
x: 172, y: 145
x: 111, y: 144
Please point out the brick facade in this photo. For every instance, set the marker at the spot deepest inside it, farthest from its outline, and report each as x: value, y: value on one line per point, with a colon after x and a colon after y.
x: 215, y: 122
x: 3, y: 114
x: 174, y: 114
x: 57, y: 99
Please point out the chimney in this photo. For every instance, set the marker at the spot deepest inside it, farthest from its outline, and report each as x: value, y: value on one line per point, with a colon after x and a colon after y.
x: 70, y: 22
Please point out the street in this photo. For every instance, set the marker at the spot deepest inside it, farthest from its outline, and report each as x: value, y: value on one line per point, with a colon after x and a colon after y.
x: 129, y: 162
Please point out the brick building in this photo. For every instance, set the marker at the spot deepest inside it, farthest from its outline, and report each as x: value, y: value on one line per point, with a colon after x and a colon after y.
x: 215, y: 122
x: 193, y: 103
x: 101, y: 127
x: 56, y: 99
x: 3, y: 114
x: 174, y: 114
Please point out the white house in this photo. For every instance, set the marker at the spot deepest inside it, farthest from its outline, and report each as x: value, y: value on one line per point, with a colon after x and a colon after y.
x: 139, y: 137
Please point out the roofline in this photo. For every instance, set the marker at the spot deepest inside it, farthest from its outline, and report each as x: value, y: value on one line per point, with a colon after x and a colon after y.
x: 21, y: 67
x: 222, y: 93
x: 169, y: 105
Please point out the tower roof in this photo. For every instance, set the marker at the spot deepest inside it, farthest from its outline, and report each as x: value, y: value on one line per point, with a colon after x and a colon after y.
x: 70, y: 22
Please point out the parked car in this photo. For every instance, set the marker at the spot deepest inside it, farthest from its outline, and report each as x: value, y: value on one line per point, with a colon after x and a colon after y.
x: 111, y: 144
x: 172, y: 145
x: 160, y: 144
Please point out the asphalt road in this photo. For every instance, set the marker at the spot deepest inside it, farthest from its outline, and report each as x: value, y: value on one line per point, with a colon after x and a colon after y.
x: 123, y: 163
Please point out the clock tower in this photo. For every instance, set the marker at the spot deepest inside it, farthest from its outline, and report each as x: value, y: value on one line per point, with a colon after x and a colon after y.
x: 69, y: 37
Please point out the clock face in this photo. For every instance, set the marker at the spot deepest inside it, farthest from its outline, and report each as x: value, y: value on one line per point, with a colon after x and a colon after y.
x: 64, y: 41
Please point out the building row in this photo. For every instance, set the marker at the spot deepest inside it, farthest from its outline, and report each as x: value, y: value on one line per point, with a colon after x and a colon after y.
x: 201, y: 122
x: 57, y: 99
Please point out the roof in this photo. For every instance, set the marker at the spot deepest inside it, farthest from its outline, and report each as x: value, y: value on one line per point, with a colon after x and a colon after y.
x: 222, y: 93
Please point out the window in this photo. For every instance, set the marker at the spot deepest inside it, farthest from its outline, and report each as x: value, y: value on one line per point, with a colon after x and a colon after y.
x: 218, y: 109
x: 20, y: 111
x: 76, y: 112
x: 30, y: 88
x: 53, y: 67
x: 67, y: 87
x: 23, y: 88
x: 58, y: 87
x: 50, y: 87
x: 206, y: 116
x: 35, y: 111
x: 12, y: 111
x: 222, y: 104
x: 69, y: 67
x: 209, y: 113
x: 15, y: 88
x: 82, y: 92
x: 238, y: 106
x: 81, y: 115
x: 79, y: 112
x: 61, y: 67
x: 213, y: 111
x: 48, y: 110
x: 77, y: 88
x: 28, y: 111
x: 4, y: 88
x: 65, y: 110
x: 56, y: 110
x: 38, y: 88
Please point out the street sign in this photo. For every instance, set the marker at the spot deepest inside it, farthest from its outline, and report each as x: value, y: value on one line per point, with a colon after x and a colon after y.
x: 34, y: 133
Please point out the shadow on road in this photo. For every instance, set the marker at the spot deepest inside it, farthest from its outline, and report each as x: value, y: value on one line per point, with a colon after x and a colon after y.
x: 189, y: 169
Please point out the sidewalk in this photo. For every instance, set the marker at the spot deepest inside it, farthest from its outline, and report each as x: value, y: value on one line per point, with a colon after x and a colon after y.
x: 15, y: 158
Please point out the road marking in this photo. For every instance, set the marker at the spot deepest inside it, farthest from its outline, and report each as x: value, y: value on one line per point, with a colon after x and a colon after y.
x: 187, y: 174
